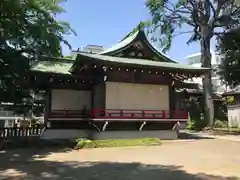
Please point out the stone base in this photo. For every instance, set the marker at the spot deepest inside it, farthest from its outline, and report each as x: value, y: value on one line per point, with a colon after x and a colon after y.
x: 91, y: 134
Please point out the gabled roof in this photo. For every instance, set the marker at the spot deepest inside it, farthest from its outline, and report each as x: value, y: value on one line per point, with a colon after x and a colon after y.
x: 141, y: 62
x: 123, y: 43
x: 127, y: 41
x: 58, y: 66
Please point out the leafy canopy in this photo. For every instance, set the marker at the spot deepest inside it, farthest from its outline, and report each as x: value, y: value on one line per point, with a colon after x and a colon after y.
x: 229, y: 48
x: 202, y: 19
x: 28, y: 29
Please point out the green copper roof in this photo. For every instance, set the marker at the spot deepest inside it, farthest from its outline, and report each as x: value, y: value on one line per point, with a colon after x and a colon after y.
x: 56, y: 66
x: 130, y: 38
x: 142, y: 62
x: 121, y: 44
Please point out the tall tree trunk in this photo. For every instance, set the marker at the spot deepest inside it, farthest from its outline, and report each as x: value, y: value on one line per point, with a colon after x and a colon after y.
x: 207, y: 80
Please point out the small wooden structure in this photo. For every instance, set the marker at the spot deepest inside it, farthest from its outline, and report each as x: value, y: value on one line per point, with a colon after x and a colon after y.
x: 123, y: 91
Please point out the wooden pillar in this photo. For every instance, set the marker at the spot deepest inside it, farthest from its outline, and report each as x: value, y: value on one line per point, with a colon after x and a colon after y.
x: 47, y: 108
x: 172, y: 96
x: 92, y: 98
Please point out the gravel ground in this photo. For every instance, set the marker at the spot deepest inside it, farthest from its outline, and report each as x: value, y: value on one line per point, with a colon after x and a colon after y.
x: 209, y: 159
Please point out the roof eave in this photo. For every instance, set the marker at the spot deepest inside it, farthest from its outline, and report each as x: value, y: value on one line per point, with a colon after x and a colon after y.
x: 51, y: 72
x: 102, y: 62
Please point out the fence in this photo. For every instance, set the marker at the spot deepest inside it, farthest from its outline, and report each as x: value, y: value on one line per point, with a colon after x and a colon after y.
x: 20, y: 132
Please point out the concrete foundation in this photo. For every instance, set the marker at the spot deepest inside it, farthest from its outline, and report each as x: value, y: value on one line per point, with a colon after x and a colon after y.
x: 90, y: 134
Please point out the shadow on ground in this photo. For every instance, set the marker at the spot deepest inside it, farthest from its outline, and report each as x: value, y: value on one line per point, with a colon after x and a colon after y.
x: 188, y: 135
x: 198, y: 135
x: 223, y: 133
x: 26, y: 164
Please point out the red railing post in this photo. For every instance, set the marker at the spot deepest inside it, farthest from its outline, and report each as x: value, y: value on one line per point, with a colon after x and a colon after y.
x: 163, y: 114
x: 121, y: 112
x: 94, y: 113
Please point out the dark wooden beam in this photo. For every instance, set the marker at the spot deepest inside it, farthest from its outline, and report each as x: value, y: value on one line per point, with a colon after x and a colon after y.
x: 137, y: 77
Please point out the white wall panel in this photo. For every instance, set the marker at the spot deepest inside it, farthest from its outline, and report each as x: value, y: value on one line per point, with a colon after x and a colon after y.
x: 63, y: 99
x: 99, y: 96
x: 136, y: 96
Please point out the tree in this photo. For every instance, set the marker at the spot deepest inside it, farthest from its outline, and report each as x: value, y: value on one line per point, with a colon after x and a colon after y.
x: 28, y: 29
x: 203, y: 19
x: 229, y: 48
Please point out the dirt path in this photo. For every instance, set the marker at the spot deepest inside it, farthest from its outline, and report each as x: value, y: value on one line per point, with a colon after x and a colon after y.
x: 200, y: 159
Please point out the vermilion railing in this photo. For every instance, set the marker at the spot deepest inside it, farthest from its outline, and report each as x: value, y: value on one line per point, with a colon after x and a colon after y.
x: 120, y: 114
x: 139, y: 114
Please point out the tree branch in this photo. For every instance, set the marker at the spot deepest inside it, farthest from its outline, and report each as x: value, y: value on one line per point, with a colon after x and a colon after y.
x: 185, y: 32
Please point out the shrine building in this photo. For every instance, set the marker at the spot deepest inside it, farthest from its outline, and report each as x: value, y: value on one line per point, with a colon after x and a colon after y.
x: 126, y: 91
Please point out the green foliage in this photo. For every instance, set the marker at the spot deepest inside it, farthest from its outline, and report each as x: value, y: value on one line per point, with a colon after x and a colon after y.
x: 68, y: 57
x: 191, y: 124
x: 220, y: 124
x: 229, y: 47
x: 196, y: 120
x: 28, y: 29
x: 196, y: 124
x: 84, y: 143
x: 196, y: 17
x: 230, y: 100
x: 202, y: 20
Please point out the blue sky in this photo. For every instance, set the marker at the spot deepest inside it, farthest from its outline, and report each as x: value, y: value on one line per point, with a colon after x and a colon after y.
x: 105, y: 22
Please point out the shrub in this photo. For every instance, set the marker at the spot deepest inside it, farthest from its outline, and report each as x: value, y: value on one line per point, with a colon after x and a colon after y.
x: 197, y: 124
x: 191, y: 124
x: 83, y: 143
x: 231, y: 100
x: 220, y: 124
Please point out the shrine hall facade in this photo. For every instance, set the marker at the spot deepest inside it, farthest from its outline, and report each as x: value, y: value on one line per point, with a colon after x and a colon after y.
x: 127, y: 90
